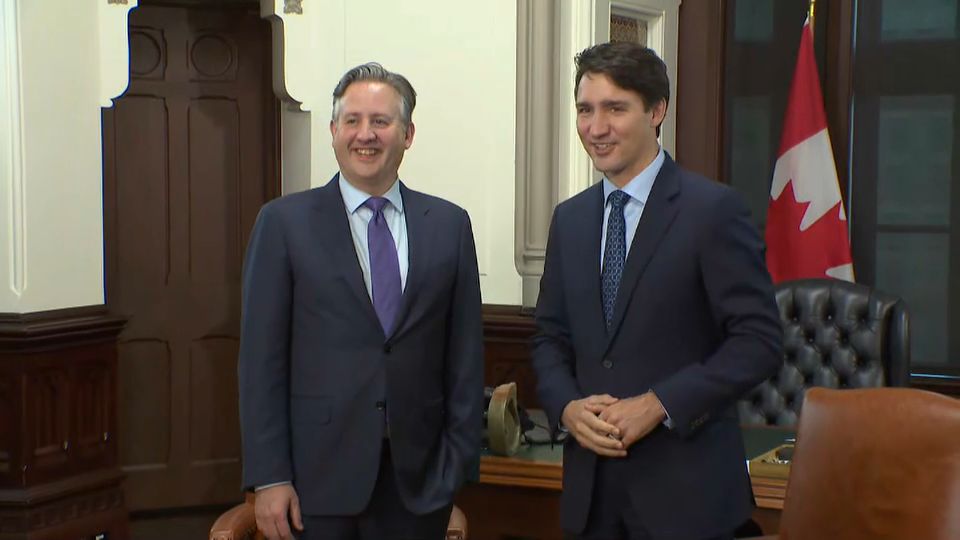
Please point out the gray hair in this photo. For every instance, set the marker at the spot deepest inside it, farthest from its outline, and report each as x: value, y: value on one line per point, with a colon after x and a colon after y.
x: 373, y: 71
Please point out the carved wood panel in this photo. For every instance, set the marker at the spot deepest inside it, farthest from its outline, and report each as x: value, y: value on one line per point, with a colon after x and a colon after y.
x: 47, y: 421
x: 94, y: 408
x: 189, y: 160
x: 507, y: 332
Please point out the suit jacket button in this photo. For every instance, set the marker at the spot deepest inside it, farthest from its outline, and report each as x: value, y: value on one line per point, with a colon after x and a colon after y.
x: 607, y: 363
x: 387, y: 349
x: 381, y: 405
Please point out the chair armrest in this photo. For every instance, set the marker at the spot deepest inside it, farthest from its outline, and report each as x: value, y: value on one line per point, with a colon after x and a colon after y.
x: 457, y: 527
x: 238, y: 523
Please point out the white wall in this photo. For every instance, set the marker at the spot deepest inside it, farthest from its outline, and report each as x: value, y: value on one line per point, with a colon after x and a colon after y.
x: 51, y: 240
x: 461, y: 59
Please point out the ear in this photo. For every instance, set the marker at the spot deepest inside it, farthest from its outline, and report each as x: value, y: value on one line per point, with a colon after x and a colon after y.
x: 408, y: 136
x: 333, y: 130
x: 659, y: 112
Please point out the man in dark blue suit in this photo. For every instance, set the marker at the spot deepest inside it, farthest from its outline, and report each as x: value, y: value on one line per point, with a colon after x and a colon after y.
x: 656, y: 313
x: 361, y: 354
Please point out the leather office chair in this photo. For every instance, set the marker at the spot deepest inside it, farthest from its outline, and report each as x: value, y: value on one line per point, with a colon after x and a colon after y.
x: 877, y: 464
x: 239, y: 523
x: 837, y: 334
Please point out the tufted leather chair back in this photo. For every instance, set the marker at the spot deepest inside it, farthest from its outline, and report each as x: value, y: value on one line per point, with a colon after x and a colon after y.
x: 837, y: 334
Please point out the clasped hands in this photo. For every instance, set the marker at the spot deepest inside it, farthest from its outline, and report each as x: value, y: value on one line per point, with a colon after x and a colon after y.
x: 608, y: 426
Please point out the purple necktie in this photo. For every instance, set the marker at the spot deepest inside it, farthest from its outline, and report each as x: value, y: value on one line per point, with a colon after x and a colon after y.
x: 384, y: 265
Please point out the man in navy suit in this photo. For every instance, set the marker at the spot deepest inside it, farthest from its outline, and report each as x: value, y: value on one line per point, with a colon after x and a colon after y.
x: 361, y: 354
x: 656, y: 313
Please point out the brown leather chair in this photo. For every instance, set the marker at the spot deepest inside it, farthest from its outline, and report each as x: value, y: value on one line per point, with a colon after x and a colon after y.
x: 238, y: 523
x: 877, y: 464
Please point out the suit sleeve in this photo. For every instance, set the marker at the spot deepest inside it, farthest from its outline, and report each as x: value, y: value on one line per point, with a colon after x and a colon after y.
x: 740, y: 293
x: 464, y: 365
x: 553, y: 357
x: 263, y: 363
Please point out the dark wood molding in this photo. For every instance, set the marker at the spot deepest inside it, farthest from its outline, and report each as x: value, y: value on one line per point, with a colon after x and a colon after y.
x: 32, y: 332
x: 699, y: 87
x: 59, y: 464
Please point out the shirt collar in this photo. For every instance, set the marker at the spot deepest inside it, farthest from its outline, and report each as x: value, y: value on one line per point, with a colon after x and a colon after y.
x: 639, y: 187
x: 354, y: 197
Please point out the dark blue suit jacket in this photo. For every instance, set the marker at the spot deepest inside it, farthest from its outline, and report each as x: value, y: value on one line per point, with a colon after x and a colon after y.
x: 317, y: 375
x: 695, y: 320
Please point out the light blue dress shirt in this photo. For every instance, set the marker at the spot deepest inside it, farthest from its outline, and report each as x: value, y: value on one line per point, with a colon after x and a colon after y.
x: 639, y: 190
x: 359, y: 216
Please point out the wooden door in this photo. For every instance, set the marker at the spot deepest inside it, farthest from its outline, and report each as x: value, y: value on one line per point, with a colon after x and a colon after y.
x: 189, y: 158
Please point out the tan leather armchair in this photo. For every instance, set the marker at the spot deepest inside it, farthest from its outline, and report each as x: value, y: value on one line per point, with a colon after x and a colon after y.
x: 238, y: 523
x: 877, y: 464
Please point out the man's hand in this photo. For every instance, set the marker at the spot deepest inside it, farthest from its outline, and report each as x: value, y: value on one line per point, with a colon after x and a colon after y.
x: 635, y: 417
x: 271, y: 509
x: 580, y: 419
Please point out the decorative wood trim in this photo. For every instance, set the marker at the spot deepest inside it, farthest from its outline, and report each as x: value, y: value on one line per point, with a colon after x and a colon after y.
x: 507, y: 323
x: 59, y: 512
x: 503, y: 471
x: 34, y: 332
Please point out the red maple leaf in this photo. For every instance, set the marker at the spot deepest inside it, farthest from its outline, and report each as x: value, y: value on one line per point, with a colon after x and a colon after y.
x: 795, y: 254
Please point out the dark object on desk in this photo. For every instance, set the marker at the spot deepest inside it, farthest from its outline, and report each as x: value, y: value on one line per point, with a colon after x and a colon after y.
x: 785, y: 454
x: 837, y: 334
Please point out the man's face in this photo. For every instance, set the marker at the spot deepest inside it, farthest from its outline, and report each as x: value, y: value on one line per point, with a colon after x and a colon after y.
x: 616, y: 131
x: 369, y: 137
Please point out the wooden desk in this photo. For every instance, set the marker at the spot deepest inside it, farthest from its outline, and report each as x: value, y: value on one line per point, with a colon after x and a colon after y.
x: 519, y: 497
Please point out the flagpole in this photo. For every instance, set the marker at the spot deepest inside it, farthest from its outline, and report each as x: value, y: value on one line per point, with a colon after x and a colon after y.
x: 810, y: 14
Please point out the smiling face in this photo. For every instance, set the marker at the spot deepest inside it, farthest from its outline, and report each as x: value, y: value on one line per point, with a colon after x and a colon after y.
x: 615, y: 127
x: 369, y: 135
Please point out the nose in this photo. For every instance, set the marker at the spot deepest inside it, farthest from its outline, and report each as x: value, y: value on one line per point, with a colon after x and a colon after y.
x: 599, y: 126
x: 366, y: 132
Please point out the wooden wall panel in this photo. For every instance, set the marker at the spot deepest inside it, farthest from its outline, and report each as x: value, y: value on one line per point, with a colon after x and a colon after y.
x: 59, y: 470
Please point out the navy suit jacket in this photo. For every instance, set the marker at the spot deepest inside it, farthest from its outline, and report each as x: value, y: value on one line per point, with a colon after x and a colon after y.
x: 695, y: 320
x: 318, y: 377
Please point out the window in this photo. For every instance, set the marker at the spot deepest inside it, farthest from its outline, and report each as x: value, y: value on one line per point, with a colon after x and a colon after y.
x: 905, y: 167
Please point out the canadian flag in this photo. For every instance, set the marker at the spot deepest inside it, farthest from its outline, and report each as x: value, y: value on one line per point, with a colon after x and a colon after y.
x: 806, y: 231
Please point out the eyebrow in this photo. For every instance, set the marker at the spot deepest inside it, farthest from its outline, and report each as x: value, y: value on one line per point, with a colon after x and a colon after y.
x: 605, y: 103
x: 354, y: 114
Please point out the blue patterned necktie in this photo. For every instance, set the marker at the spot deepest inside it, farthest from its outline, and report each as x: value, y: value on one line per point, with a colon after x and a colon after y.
x: 384, y: 265
x: 614, y: 253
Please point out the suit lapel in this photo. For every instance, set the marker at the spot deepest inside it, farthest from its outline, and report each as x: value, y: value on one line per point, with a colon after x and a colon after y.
x: 330, y: 222
x: 587, y: 241
x: 658, y: 215
x: 416, y: 212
